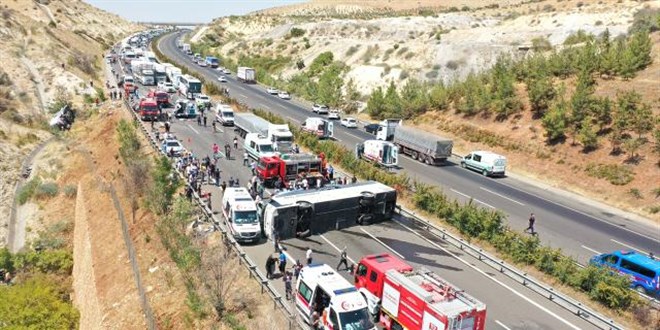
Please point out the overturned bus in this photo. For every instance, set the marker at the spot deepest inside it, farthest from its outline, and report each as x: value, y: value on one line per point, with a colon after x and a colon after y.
x: 306, y: 212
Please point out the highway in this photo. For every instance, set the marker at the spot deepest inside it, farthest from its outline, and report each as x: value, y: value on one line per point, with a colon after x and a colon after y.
x: 579, y: 229
x: 510, y: 305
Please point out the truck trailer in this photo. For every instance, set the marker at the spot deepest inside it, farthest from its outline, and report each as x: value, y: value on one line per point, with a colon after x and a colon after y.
x: 305, y: 212
x: 419, y: 145
x: 404, y: 298
x: 279, y: 135
x: 246, y: 75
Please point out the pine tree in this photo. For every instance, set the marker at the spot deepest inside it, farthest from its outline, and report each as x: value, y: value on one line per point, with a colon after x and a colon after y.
x: 414, y: 98
x: 392, y: 102
x: 504, y: 99
x: 587, y: 136
x: 555, y: 121
x: 601, y: 110
x: 439, y: 97
x: 642, y: 121
x: 541, y: 93
x: 640, y: 45
x: 330, y: 84
x: 376, y: 103
x: 581, y: 100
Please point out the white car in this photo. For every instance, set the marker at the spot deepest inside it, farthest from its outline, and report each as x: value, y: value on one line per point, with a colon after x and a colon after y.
x: 201, y: 100
x: 320, y: 108
x: 226, y: 71
x: 173, y: 147
x: 349, y: 122
x: 272, y: 91
x: 167, y: 87
x: 222, y: 79
x: 333, y: 114
x: 203, y: 63
x: 284, y: 95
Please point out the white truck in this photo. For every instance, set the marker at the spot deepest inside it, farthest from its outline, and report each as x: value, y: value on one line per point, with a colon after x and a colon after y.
x: 143, y: 71
x: 245, y: 74
x: 383, y: 153
x: 240, y: 212
x: 160, y: 74
x: 279, y: 135
x: 322, y: 290
x: 186, y: 49
x: 305, y: 212
x: 257, y: 146
x: 419, y: 145
x: 172, y: 74
x: 322, y: 128
x: 224, y: 114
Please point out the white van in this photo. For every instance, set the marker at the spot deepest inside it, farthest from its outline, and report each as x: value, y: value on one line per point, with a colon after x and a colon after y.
x: 486, y: 162
x: 224, y: 114
x: 240, y: 211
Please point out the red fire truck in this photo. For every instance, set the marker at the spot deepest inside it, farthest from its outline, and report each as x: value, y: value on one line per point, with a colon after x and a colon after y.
x: 403, y: 298
x: 161, y: 97
x: 288, y: 167
x: 148, y: 109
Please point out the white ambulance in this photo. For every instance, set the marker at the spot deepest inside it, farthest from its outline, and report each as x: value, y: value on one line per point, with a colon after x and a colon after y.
x: 340, y: 306
x: 240, y: 211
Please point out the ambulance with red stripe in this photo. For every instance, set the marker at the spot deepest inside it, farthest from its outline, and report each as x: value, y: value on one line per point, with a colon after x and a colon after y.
x: 338, y: 303
x: 403, y: 298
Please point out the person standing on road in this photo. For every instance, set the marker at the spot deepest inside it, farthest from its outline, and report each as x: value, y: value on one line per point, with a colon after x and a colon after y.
x: 199, y: 120
x: 308, y: 255
x: 216, y: 150
x: 530, y: 228
x: 343, y: 259
x: 270, y: 266
x: 204, y: 121
x: 245, y: 158
x: 282, y: 262
x: 235, y: 143
x: 228, y: 151
x: 213, y: 125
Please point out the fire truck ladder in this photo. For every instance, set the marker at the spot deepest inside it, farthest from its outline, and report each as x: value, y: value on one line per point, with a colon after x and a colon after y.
x: 448, y: 291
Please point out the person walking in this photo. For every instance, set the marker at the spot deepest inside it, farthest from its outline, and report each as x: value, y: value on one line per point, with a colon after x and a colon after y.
x: 235, y: 143
x: 214, y: 128
x: 288, y: 288
x: 530, y: 228
x: 199, y: 120
x: 167, y: 127
x: 296, y: 269
x: 216, y: 149
x: 246, y: 158
x: 228, y: 151
x: 308, y: 255
x: 253, y: 165
x: 343, y: 259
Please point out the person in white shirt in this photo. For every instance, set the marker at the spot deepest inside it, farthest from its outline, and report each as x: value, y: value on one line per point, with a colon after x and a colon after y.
x: 308, y: 254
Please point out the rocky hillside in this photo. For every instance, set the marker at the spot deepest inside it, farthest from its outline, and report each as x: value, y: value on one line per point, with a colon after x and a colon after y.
x: 379, y: 45
x: 48, y: 48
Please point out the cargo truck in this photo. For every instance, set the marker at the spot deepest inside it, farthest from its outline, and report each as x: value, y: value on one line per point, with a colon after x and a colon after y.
x: 321, y: 290
x: 160, y: 74
x: 305, y: 212
x: 383, y: 153
x: 246, y: 75
x: 173, y: 73
x: 148, y: 109
x: 212, y: 61
x: 279, y: 135
x: 419, y: 145
x: 403, y: 298
x: 186, y: 49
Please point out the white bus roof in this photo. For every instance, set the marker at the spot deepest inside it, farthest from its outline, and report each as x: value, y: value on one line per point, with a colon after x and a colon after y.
x: 331, y: 193
x: 190, y: 78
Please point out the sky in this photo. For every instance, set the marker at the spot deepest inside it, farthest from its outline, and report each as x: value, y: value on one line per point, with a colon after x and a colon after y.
x: 193, y: 11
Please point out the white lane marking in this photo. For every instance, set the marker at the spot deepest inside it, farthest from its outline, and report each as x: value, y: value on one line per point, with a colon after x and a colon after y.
x: 472, y: 198
x: 383, y: 244
x: 500, y: 195
x: 583, y: 213
x: 590, y: 249
x: 502, y: 325
x: 353, y: 135
x: 282, y: 106
x: 194, y: 130
x: 293, y: 119
x: 263, y: 106
x: 338, y: 249
x: 490, y: 277
x: 629, y: 246
x: 243, y: 96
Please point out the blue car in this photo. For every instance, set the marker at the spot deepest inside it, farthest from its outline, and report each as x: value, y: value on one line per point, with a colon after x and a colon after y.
x: 643, y: 270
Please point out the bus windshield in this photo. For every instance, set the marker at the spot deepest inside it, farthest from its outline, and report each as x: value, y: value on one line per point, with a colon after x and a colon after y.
x: 357, y: 320
x: 265, y: 148
x: 195, y: 87
x: 245, y: 217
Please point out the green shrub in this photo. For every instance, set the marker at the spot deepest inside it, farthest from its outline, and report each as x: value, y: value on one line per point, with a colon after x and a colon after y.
x: 40, y: 302
x: 46, y: 261
x: 47, y: 189
x: 352, y: 50
x: 618, y: 175
x: 70, y: 190
x: 296, y: 32
x: 26, y: 191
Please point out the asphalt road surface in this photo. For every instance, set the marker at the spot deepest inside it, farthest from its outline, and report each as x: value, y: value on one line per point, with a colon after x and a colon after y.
x: 510, y: 305
x: 579, y: 229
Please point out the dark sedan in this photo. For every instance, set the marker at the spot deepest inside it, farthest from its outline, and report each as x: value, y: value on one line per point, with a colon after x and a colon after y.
x: 371, y: 128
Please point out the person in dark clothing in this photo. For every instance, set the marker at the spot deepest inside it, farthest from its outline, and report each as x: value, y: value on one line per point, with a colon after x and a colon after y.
x: 353, y: 179
x: 270, y: 267
x: 343, y: 259
x: 228, y: 150
x: 204, y: 121
x: 216, y: 174
x: 530, y: 228
x: 282, y: 262
x: 223, y: 185
x: 167, y: 127
x: 199, y: 120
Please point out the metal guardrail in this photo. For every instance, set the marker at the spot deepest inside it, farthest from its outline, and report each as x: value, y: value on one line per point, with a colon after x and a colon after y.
x: 526, y: 280
x: 278, y: 303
